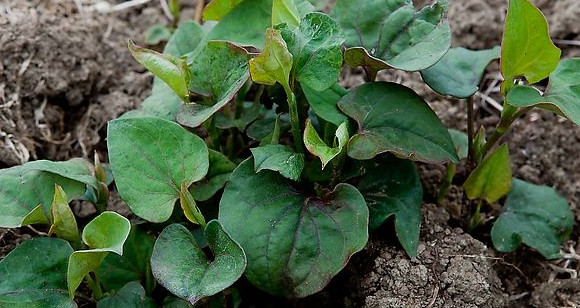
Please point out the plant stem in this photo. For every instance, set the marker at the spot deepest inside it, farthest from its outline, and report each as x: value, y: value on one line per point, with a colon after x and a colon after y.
x: 470, y: 133
x: 294, y: 120
x: 370, y: 74
x: 508, y: 117
x: 95, y: 286
x: 444, y: 189
x: 476, y: 218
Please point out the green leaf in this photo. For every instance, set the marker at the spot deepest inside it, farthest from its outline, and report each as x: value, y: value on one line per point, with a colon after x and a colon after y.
x: 274, y: 63
x: 63, y: 222
x: 245, y: 24
x: 492, y: 179
x: 116, y: 271
x: 217, y: 9
x: 461, y: 143
x: 132, y: 295
x: 218, y: 72
x: 460, y: 71
x: 479, y: 141
x: 324, y: 103
x: 106, y: 233
x: 173, y: 71
x: 536, y: 216
x: 189, y: 207
x: 250, y: 112
x: 150, y: 157
x: 297, y: 243
x: 218, y: 174
x: 185, y: 39
x: 182, y: 267
x: 316, y: 47
x: 393, y: 118
x: 34, y: 274
x: 392, y: 33
x: 315, y: 145
x: 562, y: 95
x: 157, y: 34
x: 36, y: 216
x: 392, y: 186
x: 527, y: 49
x: 285, y: 12
x: 280, y: 158
x: 26, y: 187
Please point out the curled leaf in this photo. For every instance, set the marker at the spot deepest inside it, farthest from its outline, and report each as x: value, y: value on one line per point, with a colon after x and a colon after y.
x: 317, y: 147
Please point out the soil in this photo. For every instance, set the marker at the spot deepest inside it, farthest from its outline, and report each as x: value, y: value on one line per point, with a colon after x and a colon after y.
x: 64, y: 74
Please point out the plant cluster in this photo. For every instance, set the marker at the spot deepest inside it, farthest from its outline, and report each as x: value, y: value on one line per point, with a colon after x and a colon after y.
x: 279, y: 171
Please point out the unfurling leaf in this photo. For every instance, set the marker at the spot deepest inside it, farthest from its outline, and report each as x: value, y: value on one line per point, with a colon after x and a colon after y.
x: 536, y: 216
x: 492, y: 179
x: 189, y: 206
x: 315, y: 145
x: 285, y: 12
x: 280, y: 158
x: 173, y: 71
x: 527, y: 49
x: 63, y: 222
x: 182, y: 267
x: 274, y: 63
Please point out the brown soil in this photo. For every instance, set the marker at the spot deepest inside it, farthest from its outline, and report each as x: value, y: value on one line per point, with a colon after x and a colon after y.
x: 63, y: 75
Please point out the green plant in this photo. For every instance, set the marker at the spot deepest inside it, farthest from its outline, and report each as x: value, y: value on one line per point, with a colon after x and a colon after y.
x: 290, y: 169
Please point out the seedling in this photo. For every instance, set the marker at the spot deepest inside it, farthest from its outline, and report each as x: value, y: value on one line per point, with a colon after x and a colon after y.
x: 279, y: 171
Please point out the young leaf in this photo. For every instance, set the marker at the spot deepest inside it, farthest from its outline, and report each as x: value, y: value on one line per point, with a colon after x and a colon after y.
x: 392, y: 186
x: 150, y: 157
x: 217, y: 9
x: 316, y: 145
x: 563, y: 94
x: 285, y: 12
x: 393, y: 118
x: 492, y: 179
x: 64, y: 224
x: 132, y: 295
x: 324, y: 103
x: 536, y: 216
x: 280, y: 158
x: 316, y: 48
x: 297, y: 243
x: 218, y: 174
x: 34, y: 274
x: 116, y: 271
x: 479, y: 141
x: 157, y: 34
x: 460, y: 140
x: 185, y: 39
x: 173, y: 71
x: 189, y: 206
x: 527, y: 49
x: 274, y: 63
x: 218, y: 72
x: 106, y: 233
x: 26, y: 187
x: 460, y: 71
x: 182, y: 267
x: 387, y: 33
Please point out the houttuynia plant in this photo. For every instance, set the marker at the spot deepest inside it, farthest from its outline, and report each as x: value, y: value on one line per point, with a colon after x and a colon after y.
x: 255, y: 161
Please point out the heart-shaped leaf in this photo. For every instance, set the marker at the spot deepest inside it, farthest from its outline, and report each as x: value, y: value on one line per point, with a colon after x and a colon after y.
x: 536, y: 216
x: 220, y: 168
x: 173, y: 71
x: 392, y: 186
x: 132, y: 295
x: 34, y: 274
x: 393, y: 118
x: 24, y: 188
x: 297, y: 243
x: 324, y: 103
x: 527, y: 49
x: 150, y: 157
x: 285, y: 12
x: 116, y: 271
x: 318, y: 148
x: 63, y: 222
x: 157, y: 34
x: 280, y: 158
x: 387, y: 33
x: 562, y: 96
x: 182, y: 267
x: 316, y: 47
x: 274, y: 63
x: 492, y: 179
x: 106, y: 233
x: 460, y: 71
x: 218, y: 72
